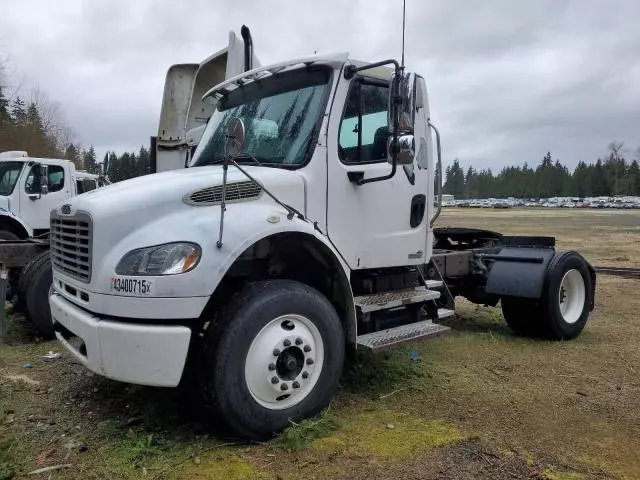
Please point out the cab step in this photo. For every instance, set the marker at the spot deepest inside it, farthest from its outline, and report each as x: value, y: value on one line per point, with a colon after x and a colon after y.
x: 387, y: 300
x: 393, y: 337
x: 434, y: 283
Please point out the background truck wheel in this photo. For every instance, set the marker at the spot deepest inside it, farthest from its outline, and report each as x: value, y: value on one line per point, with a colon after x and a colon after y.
x: 273, y: 355
x: 7, y: 235
x: 34, y: 288
x: 563, y: 310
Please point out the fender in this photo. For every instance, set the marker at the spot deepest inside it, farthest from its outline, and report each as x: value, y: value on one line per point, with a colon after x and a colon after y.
x: 10, y: 222
x: 522, y: 271
x: 297, y: 225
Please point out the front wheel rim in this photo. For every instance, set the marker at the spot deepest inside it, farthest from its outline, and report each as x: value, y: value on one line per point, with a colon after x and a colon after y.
x: 572, y: 295
x: 284, y: 362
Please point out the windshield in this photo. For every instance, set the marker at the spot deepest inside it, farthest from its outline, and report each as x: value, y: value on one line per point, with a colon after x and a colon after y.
x: 9, y: 173
x: 280, y: 114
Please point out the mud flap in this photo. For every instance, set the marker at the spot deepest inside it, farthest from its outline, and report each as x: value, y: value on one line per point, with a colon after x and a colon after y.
x: 521, y: 272
x: 518, y: 271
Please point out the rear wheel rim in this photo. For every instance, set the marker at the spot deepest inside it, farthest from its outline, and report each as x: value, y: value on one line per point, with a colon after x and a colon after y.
x: 572, y: 296
x: 284, y: 362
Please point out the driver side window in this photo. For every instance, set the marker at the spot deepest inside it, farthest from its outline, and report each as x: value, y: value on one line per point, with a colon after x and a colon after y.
x: 56, y: 179
x: 363, y: 129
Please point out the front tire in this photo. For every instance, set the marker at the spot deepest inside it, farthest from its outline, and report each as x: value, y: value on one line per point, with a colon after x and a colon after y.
x: 273, y: 355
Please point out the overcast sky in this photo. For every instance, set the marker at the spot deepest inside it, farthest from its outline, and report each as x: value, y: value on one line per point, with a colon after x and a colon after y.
x: 508, y: 80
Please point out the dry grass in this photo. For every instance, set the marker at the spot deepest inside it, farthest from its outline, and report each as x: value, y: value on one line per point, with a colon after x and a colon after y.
x: 481, y: 403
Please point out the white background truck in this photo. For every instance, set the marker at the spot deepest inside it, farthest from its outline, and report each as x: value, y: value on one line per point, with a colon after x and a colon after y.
x: 25, y: 206
x: 30, y: 188
x: 302, y: 229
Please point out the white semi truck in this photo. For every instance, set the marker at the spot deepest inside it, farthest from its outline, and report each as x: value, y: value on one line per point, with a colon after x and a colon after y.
x: 302, y: 229
x: 29, y: 189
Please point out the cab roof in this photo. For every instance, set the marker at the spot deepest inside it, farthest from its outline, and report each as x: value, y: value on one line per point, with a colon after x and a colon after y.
x: 336, y: 60
x: 51, y: 161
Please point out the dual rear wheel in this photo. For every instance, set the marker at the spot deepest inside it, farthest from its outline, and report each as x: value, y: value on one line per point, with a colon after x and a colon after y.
x: 562, y: 311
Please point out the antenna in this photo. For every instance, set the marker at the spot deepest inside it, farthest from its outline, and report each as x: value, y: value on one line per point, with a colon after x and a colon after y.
x: 404, y: 2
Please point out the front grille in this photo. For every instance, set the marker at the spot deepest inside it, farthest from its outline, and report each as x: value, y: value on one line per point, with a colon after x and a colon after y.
x: 236, y: 192
x: 71, y: 243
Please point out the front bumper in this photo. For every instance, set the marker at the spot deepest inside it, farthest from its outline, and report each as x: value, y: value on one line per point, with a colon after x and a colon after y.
x: 152, y: 355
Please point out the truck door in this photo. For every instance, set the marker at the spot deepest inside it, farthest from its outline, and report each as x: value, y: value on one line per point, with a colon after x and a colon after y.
x: 35, y: 208
x: 378, y: 224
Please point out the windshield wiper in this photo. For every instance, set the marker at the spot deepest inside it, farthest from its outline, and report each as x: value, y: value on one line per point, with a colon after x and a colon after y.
x: 245, y: 155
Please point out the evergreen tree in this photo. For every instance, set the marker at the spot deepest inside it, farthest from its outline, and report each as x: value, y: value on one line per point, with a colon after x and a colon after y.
x: 599, y: 183
x: 470, y: 181
x: 89, y: 160
x: 634, y: 178
x: 144, y: 161
x: 454, y: 183
x: 581, y: 181
x: 72, y: 153
x: 105, y: 163
x: 4, y: 108
x: 18, y: 112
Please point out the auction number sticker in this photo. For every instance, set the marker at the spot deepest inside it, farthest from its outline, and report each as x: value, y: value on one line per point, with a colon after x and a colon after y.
x: 132, y: 286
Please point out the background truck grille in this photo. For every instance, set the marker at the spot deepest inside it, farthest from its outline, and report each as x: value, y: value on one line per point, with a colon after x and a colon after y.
x: 236, y: 192
x: 71, y: 242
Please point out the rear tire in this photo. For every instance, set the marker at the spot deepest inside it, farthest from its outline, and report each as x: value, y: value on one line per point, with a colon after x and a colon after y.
x: 35, y: 285
x: 273, y: 355
x: 568, y: 296
x: 562, y: 311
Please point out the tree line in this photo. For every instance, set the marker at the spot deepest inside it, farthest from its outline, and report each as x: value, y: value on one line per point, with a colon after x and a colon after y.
x: 37, y: 126
x: 127, y: 165
x: 608, y: 176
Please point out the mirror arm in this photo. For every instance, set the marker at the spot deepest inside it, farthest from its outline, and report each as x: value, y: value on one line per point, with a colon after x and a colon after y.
x: 351, y: 70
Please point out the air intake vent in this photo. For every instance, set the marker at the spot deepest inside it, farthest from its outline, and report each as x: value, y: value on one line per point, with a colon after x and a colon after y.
x: 236, y: 192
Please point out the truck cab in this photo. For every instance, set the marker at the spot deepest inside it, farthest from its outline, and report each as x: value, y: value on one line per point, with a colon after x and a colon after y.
x: 302, y: 229
x: 31, y: 187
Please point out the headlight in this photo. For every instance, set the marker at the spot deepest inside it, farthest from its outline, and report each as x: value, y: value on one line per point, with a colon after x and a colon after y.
x: 167, y: 259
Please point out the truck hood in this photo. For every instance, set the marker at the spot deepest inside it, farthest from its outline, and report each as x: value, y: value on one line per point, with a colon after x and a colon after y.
x: 162, y: 193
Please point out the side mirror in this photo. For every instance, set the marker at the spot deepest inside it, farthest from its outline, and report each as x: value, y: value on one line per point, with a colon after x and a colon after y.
x: 44, y: 179
x: 402, y: 103
x: 404, y: 149
x: 235, y: 138
x: 401, y: 118
x: 40, y: 183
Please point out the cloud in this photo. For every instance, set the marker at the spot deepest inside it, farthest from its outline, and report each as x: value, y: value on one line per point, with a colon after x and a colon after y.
x: 507, y: 80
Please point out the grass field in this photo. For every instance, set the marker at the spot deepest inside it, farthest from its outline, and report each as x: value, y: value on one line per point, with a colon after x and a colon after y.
x: 480, y: 403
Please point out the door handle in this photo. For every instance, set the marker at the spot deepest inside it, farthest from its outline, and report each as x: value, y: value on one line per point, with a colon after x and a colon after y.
x: 418, y: 204
x: 355, y: 177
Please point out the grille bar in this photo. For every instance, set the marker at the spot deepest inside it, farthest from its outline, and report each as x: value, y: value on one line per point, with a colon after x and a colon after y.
x: 71, y: 245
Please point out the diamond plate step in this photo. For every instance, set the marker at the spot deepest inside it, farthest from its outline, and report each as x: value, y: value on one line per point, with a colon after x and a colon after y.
x: 386, y: 300
x: 393, y: 337
x: 434, y: 283
x: 445, y: 312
